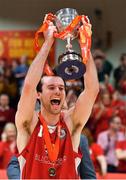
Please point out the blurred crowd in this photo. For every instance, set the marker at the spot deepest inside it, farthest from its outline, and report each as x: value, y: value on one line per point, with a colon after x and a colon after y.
x: 106, y: 128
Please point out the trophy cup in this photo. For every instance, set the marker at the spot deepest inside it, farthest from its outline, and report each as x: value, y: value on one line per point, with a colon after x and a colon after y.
x: 70, y: 65
x: 70, y: 25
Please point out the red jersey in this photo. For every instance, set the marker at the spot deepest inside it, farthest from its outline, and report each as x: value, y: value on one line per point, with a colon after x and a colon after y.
x: 34, y: 161
x: 122, y: 163
x: 95, y: 151
x: 5, y: 154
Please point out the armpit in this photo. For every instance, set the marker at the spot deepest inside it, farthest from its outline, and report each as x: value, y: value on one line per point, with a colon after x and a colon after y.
x: 26, y: 126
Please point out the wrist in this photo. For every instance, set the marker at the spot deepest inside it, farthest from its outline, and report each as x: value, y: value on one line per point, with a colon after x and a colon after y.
x: 49, y: 41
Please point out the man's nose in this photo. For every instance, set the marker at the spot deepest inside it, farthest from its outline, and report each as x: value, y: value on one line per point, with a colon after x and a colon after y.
x: 57, y: 91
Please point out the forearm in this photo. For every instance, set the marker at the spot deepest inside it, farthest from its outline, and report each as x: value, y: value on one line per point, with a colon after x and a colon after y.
x: 36, y: 69
x: 90, y: 77
x: 103, y: 164
x: 98, y: 115
x: 121, y: 155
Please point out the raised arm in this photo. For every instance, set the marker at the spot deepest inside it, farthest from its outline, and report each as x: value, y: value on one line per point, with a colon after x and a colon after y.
x: 28, y: 97
x: 85, y: 102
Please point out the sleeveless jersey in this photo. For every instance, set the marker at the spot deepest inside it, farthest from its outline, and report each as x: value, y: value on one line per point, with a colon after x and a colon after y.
x: 34, y: 161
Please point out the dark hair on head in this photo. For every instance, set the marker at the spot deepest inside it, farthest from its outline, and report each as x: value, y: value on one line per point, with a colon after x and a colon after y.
x: 99, y: 57
x: 39, y: 86
x: 111, y: 120
x: 122, y: 56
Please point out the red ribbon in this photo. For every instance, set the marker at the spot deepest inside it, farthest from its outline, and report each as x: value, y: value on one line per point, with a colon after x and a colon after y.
x: 53, y: 149
x: 84, y: 31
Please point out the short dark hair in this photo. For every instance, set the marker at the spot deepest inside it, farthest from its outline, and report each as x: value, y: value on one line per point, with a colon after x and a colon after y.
x: 39, y: 86
x: 111, y: 120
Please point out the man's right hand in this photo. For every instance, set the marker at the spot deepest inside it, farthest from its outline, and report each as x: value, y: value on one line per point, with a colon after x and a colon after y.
x: 49, y: 33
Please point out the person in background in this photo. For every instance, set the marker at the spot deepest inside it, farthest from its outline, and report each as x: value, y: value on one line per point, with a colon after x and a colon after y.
x: 107, y: 140
x: 98, y: 158
x: 20, y: 71
x: 96, y: 154
x: 120, y: 71
x: 121, y: 154
x: 86, y: 167
x: 119, y: 106
x: 7, y: 114
x: 7, y: 145
x: 103, y: 66
x: 11, y: 86
x: 101, y: 114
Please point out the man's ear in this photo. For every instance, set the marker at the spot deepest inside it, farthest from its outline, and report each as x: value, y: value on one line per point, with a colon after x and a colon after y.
x: 38, y: 95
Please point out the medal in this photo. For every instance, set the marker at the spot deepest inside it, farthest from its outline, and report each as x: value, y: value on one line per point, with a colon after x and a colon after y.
x: 52, y: 172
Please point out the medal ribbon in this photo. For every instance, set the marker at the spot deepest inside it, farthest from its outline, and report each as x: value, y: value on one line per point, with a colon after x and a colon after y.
x: 84, y: 31
x: 53, y: 149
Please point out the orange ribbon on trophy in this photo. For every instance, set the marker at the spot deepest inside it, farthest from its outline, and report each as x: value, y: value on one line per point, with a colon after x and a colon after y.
x: 84, y: 35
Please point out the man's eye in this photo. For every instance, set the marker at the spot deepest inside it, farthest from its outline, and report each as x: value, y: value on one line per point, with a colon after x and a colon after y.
x: 61, y: 88
x: 51, y: 88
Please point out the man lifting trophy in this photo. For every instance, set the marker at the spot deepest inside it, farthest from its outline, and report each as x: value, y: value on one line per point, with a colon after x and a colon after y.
x: 71, y: 65
x: 48, y: 141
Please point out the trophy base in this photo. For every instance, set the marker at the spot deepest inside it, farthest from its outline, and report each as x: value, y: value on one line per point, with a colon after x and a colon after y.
x: 70, y: 66
x: 71, y: 70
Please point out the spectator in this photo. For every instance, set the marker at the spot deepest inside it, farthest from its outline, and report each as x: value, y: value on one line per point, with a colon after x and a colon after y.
x: 97, y: 154
x: 119, y: 106
x: 11, y: 86
x: 101, y: 114
x: 71, y: 98
x: 7, y: 114
x: 2, y: 83
x: 98, y: 158
x: 20, y: 71
x: 2, y: 65
x: 121, y: 156
x: 107, y: 140
x: 120, y: 71
x: 86, y: 166
x: 104, y: 67
x: 7, y: 145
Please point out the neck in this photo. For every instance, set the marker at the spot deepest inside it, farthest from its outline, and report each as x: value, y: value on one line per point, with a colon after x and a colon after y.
x: 112, y: 132
x: 51, y: 119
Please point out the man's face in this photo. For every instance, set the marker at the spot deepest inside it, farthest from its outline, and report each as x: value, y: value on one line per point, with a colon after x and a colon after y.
x: 4, y: 100
x: 11, y: 133
x: 99, y: 64
x: 116, y: 124
x: 106, y: 99
x: 53, y: 94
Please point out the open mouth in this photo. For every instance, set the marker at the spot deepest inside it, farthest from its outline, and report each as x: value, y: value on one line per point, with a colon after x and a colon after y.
x: 55, y: 101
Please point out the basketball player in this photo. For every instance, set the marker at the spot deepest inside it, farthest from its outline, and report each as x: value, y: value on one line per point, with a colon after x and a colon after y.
x: 48, y: 141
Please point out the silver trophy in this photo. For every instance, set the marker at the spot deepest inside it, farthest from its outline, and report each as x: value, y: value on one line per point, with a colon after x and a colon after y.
x: 70, y: 65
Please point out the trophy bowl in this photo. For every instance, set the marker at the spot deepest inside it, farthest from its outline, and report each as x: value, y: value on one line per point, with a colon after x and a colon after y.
x: 70, y: 65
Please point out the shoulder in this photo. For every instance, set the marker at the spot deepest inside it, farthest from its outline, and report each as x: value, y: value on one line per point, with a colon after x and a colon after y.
x: 103, y: 134
x: 121, y: 136
x: 97, y: 148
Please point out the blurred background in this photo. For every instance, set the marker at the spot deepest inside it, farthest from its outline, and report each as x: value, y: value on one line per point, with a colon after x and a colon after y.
x: 19, y: 20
